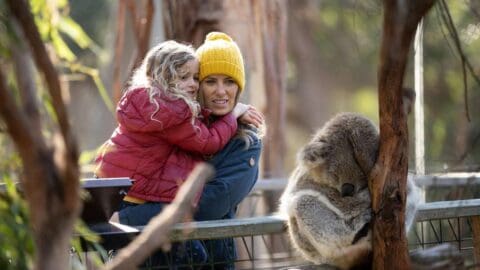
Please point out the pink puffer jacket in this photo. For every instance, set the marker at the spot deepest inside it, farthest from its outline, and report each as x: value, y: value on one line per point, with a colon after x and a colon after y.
x: 158, y: 146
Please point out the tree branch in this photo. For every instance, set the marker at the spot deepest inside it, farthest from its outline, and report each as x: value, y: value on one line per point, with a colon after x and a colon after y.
x: 155, y: 233
x: 20, y: 9
x: 24, y: 74
x: 17, y: 123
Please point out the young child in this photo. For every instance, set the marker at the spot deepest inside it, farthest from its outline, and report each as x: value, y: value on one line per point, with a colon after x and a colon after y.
x: 159, y: 137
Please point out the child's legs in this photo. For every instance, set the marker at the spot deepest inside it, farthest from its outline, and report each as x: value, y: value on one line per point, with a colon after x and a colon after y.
x: 188, y: 253
x: 138, y: 214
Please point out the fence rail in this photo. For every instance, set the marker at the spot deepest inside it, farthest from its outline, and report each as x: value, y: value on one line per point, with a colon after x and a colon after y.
x: 457, y: 222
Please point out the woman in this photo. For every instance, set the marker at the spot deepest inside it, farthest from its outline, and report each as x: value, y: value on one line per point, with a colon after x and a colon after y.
x: 222, y: 80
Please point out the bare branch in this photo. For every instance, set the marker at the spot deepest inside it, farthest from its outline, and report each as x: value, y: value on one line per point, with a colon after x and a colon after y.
x: 466, y: 64
x: 154, y: 234
x: 24, y: 74
x: 17, y: 123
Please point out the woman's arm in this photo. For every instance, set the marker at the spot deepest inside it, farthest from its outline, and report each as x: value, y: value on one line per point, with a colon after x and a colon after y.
x: 236, y: 173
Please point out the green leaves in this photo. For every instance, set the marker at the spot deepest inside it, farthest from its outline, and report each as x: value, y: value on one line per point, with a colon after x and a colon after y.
x: 16, y: 238
x: 54, y: 24
x: 16, y: 242
x: 75, y: 32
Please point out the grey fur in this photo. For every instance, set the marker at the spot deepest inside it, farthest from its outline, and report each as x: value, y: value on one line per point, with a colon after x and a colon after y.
x: 325, y: 226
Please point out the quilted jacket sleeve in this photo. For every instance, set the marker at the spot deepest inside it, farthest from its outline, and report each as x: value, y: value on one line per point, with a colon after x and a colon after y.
x: 171, y: 120
x: 201, y: 138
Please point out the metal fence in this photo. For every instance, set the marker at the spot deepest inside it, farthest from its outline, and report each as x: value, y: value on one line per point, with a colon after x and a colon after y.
x: 262, y: 243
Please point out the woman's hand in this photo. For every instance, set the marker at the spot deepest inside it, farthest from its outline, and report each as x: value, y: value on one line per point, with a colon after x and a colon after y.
x: 252, y: 116
x: 240, y: 109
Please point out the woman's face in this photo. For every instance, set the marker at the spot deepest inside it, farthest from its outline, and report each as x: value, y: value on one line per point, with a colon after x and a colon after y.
x: 218, y: 93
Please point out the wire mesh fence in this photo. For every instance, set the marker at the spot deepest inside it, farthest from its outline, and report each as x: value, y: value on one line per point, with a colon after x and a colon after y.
x: 274, y: 251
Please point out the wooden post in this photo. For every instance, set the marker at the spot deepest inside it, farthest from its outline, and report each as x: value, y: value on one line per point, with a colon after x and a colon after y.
x: 476, y: 239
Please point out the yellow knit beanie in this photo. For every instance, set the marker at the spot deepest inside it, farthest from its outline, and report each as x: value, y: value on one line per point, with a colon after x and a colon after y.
x: 219, y: 54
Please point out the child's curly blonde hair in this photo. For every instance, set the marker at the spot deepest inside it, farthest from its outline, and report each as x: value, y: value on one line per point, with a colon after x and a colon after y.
x: 160, y: 72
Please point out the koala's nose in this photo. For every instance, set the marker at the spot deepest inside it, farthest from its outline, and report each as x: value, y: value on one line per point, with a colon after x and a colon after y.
x: 348, y: 190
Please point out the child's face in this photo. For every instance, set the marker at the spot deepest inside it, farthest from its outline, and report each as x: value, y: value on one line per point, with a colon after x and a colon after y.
x: 188, y: 75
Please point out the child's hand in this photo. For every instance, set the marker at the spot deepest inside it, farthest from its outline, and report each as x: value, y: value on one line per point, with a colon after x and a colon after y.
x: 240, y: 109
x: 252, y: 116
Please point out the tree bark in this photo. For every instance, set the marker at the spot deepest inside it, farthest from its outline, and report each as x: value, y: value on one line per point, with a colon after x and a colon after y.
x: 389, y: 176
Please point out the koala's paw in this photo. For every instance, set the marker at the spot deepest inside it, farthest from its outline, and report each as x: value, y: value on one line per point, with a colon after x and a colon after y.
x: 362, y: 233
x: 315, y: 153
x: 364, y: 198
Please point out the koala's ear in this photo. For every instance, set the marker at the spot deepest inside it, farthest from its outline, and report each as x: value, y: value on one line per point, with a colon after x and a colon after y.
x: 314, y: 154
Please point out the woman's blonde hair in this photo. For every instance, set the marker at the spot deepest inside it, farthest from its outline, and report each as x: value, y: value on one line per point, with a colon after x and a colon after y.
x: 160, y: 73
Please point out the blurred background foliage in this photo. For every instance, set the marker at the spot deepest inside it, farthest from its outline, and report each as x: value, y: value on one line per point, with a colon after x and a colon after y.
x: 342, y: 40
x: 452, y: 142
x: 332, y: 65
x: 16, y: 244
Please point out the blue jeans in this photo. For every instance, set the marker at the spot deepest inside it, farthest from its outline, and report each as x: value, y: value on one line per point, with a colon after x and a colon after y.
x: 182, y: 255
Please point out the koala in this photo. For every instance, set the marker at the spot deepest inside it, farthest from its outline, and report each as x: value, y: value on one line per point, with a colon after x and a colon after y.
x: 327, y: 201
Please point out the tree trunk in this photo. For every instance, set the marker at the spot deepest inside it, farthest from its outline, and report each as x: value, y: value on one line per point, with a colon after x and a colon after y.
x: 388, y: 179
x: 190, y: 21
x: 50, y: 183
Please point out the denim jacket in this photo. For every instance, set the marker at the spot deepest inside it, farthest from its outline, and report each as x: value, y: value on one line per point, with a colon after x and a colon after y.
x: 236, y: 172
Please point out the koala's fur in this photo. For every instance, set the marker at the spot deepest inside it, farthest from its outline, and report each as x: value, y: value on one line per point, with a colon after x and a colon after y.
x: 327, y: 200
